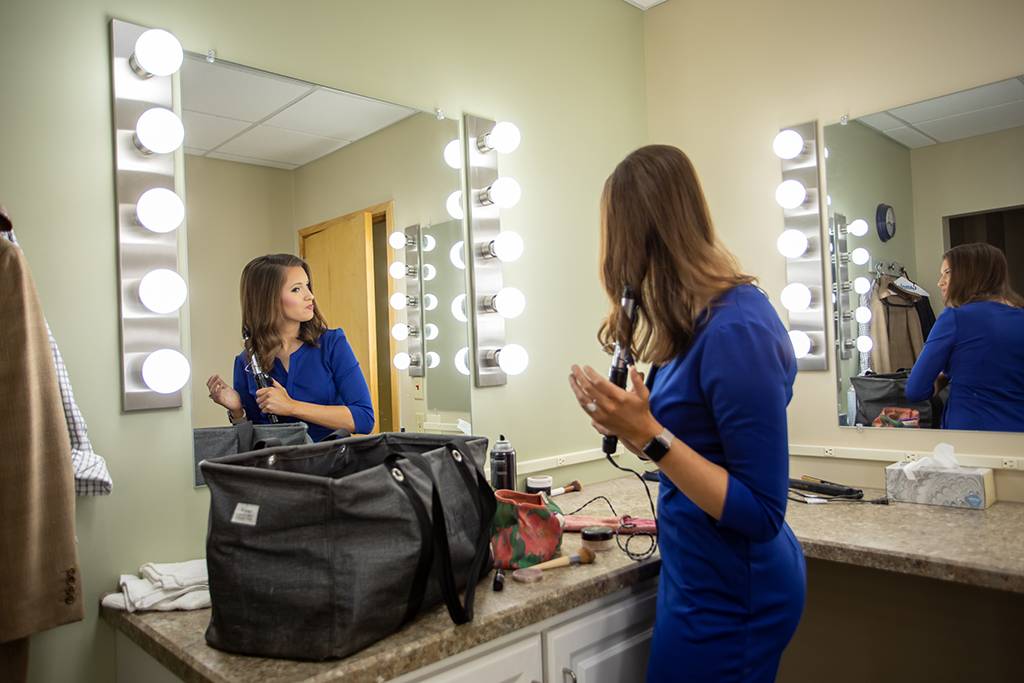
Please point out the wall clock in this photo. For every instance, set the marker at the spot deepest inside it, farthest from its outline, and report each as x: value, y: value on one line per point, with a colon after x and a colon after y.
x: 885, y: 222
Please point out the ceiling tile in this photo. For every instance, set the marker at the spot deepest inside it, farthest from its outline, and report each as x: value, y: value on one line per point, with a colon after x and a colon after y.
x: 983, y: 97
x: 250, y: 160
x: 976, y: 122
x: 343, y: 116
x: 908, y: 137
x: 226, y: 90
x: 281, y: 145
x: 204, y: 131
x: 881, y: 121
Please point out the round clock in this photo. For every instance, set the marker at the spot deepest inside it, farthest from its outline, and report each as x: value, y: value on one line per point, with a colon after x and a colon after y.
x: 885, y: 222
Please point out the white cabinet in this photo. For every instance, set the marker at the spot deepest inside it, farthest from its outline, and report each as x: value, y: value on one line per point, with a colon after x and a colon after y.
x: 519, y: 662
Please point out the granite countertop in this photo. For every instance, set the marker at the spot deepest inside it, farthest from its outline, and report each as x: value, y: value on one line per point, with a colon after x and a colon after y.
x: 977, y: 547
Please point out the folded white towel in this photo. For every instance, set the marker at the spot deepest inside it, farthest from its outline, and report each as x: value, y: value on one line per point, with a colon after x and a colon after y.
x: 195, y: 599
x: 176, y: 574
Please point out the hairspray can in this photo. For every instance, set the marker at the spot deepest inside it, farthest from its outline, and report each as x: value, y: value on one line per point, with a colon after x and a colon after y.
x: 503, y: 465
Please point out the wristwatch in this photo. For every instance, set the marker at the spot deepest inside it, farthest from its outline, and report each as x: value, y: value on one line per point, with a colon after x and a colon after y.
x: 234, y: 421
x: 657, y: 447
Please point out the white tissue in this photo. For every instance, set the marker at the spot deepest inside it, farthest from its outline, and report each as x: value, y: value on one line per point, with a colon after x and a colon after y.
x: 942, y: 458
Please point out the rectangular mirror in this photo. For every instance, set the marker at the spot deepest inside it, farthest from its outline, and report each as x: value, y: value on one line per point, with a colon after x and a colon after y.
x: 904, y: 186
x: 276, y: 165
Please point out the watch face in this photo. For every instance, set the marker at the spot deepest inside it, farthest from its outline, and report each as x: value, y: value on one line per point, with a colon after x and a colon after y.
x: 885, y: 222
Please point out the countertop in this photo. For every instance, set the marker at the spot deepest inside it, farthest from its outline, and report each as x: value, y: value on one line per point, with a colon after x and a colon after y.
x: 977, y: 547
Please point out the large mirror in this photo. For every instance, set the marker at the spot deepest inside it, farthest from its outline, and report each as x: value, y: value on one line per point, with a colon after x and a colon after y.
x: 924, y: 340
x: 357, y: 188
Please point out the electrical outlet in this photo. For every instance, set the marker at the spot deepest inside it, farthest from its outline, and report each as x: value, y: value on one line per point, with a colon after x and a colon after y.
x: 560, y: 460
x: 1010, y: 463
x: 828, y: 452
x: 909, y: 457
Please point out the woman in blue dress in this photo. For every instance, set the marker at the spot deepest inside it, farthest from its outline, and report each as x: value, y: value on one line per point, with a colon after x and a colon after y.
x: 316, y: 377
x: 977, y: 344
x: 713, y: 419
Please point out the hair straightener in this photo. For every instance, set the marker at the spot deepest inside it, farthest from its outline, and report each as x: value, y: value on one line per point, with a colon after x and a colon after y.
x: 262, y: 379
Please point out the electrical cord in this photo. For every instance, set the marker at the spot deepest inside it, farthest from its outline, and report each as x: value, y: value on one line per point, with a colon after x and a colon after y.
x: 634, y: 555
x: 800, y: 497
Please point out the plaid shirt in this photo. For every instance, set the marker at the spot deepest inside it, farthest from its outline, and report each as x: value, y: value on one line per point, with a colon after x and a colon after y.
x: 91, y: 475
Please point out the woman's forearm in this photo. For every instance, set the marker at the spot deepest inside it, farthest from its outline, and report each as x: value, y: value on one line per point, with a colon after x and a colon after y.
x: 335, y: 417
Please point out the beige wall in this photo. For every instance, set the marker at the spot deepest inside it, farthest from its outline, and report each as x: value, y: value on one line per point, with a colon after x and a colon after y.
x: 723, y: 80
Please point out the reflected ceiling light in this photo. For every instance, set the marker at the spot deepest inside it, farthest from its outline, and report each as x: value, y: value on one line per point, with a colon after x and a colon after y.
x: 801, y: 343
x: 503, y: 192
x: 454, y: 205
x: 826, y: 152
x: 788, y: 144
x: 158, y: 131
x: 399, y: 301
x: 429, y: 302
x: 462, y: 360
x: 864, y: 343
x: 858, y: 227
x: 796, y: 297
x: 429, y: 243
x: 398, y: 240
x: 509, y: 302
x: 162, y: 291
x: 790, y: 194
x: 433, y: 360
x: 507, y: 247
x: 453, y: 154
x: 459, y: 308
x: 792, y: 243
x: 862, y: 314
x: 398, y: 270
x: 455, y: 255
x: 400, y: 331
x: 429, y: 272
x: 504, y: 138
x: 828, y: 199
x: 860, y: 256
x: 165, y: 371
x: 160, y: 210
x: 862, y: 285
x: 157, y: 53
x: 402, y: 360
x: 513, y: 359
x: 430, y: 331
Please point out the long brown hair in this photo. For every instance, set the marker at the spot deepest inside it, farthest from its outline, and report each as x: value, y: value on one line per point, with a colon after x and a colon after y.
x: 978, y: 272
x: 657, y: 237
x: 260, y: 292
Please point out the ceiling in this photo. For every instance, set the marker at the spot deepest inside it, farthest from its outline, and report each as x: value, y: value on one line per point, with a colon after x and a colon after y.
x: 987, y: 109
x: 240, y: 114
x: 645, y: 4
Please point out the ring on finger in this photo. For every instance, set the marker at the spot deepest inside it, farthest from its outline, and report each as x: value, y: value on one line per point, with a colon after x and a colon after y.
x: 591, y: 407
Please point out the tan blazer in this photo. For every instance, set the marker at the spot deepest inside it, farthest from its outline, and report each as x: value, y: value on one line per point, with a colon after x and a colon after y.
x: 39, y: 576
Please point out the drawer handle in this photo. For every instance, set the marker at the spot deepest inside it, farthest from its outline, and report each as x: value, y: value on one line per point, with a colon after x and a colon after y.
x: 569, y: 674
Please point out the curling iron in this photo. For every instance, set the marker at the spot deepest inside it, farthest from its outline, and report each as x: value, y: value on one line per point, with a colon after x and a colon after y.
x: 262, y: 379
x: 621, y: 357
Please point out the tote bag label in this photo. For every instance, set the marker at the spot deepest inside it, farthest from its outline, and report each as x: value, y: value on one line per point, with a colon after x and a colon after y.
x: 245, y: 513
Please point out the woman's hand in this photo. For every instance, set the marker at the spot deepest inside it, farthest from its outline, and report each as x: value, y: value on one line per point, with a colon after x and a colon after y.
x: 224, y: 395
x: 275, y: 400
x: 614, y: 411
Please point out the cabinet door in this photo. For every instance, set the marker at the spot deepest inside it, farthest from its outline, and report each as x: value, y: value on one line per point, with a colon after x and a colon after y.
x: 520, y: 662
x: 610, y: 645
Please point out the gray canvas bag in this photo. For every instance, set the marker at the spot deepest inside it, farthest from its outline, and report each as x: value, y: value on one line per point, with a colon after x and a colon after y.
x: 317, y: 551
x: 214, y: 442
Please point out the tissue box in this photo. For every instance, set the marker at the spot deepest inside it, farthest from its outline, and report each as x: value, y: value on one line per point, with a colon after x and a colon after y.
x: 960, y: 487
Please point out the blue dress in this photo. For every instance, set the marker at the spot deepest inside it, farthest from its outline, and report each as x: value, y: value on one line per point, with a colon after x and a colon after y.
x: 980, y: 347
x: 327, y: 375
x: 731, y: 590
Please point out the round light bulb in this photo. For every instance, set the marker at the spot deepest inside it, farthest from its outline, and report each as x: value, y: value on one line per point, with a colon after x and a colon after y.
x: 429, y: 302
x: 429, y: 272
x: 158, y: 53
x: 858, y: 227
x: 790, y: 194
x: 796, y: 297
x: 454, y: 205
x: 398, y: 301
x: 453, y: 154
x: 860, y: 256
x: 458, y: 308
x: 792, y: 243
x: 397, y: 240
x: 159, y: 131
x: 430, y: 331
x: 505, y: 192
x: 862, y: 314
x: 509, y: 302
x: 402, y: 360
x: 508, y: 246
x: 504, y: 138
x: 400, y: 331
x: 429, y: 243
x: 160, y: 210
x: 801, y: 343
x: 165, y: 371
x: 861, y: 285
x: 455, y: 255
x: 788, y: 144
x: 162, y: 291
x: 462, y: 360
x: 513, y: 359
x: 433, y: 360
x: 397, y: 270
x: 864, y: 343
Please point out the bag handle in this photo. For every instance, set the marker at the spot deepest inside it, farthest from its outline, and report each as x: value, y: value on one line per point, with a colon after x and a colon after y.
x: 336, y: 435
x: 245, y: 433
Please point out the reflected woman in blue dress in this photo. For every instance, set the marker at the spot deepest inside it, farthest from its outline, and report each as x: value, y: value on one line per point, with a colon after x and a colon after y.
x: 316, y: 377
x: 732, y: 580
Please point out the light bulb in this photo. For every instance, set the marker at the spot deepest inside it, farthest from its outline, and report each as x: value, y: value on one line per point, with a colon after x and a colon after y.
x: 158, y: 131
x: 509, y: 302
x: 160, y: 210
x: 397, y: 240
x: 507, y: 246
x: 162, y: 291
x: 429, y: 243
x: 792, y: 243
x: 861, y: 285
x: 462, y: 360
x: 429, y: 272
x: 504, y: 138
x: 860, y: 256
x: 858, y: 227
x: 459, y: 308
x: 788, y: 144
x: 864, y: 343
x: 862, y: 314
x: 433, y: 360
x: 165, y: 371
x: 513, y: 359
x: 503, y: 192
x: 801, y: 343
x: 402, y: 360
x: 828, y: 199
x: 453, y: 154
x: 398, y: 301
x: 397, y: 270
x: 826, y: 152
x: 430, y: 331
x: 429, y: 302
x: 796, y: 297
x: 790, y: 194
x: 454, y: 205
x: 157, y: 53
x: 400, y: 331
x: 455, y: 255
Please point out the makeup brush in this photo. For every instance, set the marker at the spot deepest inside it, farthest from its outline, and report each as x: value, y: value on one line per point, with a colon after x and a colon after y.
x: 536, y: 572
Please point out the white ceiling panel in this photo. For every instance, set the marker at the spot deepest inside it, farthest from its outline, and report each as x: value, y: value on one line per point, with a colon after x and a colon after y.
x: 908, y: 137
x: 251, y: 160
x: 342, y: 116
x: 976, y: 122
x: 645, y: 4
x: 225, y: 90
x: 203, y: 131
x: 281, y: 145
x: 882, y: 121
x: 986, y: 96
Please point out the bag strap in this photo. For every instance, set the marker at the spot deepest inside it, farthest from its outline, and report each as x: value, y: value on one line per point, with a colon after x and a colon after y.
x: 270, y: 442
x: 245, y: 433
x: 419, y: 583
x: 336, y: 435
